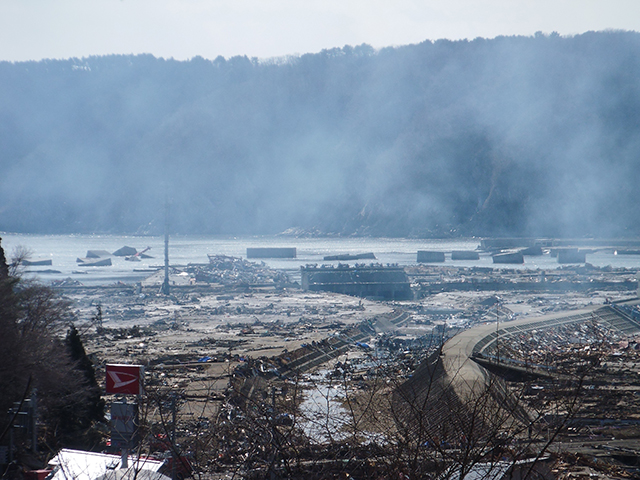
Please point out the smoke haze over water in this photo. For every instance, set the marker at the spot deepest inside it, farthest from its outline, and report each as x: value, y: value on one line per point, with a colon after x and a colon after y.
x: 510, y: 136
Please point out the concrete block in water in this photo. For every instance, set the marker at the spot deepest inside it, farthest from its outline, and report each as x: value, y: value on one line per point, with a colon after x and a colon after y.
x: 350, y: 256
x: 271, y: 252
x: 532, y: 251
x: 125, y: 251
x: 425, y: 256
x: 464, y: 255
x: 97, y: 253
x: 515, y: 257
x: 36, y: 263
x: 94, y: 262
x: 571, y: 255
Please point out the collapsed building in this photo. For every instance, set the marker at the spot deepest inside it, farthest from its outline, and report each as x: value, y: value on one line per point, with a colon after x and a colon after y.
x: 371, y: 281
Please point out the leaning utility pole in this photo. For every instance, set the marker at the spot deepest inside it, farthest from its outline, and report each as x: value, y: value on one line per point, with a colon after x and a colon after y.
x: 165, y: 284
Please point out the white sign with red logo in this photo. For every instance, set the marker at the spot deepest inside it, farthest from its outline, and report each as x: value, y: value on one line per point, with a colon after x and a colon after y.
x: 124, y: 379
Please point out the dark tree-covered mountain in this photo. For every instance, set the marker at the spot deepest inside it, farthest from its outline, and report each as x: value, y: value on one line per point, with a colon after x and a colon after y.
x: 510, y: 136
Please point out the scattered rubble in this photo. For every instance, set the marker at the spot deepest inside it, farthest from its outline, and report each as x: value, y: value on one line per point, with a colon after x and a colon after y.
x: 235, y: 322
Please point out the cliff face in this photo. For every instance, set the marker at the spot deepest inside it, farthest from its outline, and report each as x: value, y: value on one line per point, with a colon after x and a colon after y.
x: 510, y: 136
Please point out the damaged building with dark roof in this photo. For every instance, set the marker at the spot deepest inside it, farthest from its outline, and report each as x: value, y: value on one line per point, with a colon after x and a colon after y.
x: 370, y: 281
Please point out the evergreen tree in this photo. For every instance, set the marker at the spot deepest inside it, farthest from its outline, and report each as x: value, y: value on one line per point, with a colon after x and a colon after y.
x: 95, y: 403
x: 77, y: 418
x: 32, y: 356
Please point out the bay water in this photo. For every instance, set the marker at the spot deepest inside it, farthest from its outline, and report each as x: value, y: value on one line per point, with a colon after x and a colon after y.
x: 63, y: 250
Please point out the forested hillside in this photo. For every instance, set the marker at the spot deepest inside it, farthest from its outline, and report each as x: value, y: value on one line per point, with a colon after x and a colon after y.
x: 510, y: 136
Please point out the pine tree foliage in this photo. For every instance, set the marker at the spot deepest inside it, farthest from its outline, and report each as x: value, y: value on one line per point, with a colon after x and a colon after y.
x: 35, y: 358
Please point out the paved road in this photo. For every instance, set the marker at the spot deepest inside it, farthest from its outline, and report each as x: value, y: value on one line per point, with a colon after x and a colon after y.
x: 465, y: 375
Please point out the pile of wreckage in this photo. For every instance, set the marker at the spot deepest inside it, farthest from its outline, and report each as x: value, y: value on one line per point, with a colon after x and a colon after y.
x: 233, y: 271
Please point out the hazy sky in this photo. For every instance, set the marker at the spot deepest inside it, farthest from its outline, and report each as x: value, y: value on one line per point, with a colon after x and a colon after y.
x: 182, y: 29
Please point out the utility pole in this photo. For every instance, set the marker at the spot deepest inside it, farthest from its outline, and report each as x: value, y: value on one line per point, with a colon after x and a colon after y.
x: 497, y: 330
x: 34, y: 420
x: 166, y: 289
x: 174, y: 465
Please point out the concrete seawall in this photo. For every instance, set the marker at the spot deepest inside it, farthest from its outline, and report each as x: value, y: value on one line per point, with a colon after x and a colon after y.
x: 446, y: 389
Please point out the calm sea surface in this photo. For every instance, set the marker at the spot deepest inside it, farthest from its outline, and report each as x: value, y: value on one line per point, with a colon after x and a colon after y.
x: 64, y: 249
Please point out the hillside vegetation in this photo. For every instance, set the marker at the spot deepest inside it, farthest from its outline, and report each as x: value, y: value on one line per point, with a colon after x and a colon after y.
x: 508, y: 136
